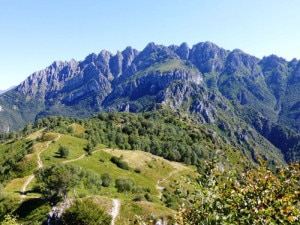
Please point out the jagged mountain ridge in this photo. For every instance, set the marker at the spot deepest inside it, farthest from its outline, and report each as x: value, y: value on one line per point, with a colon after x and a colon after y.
x: 206, y: 81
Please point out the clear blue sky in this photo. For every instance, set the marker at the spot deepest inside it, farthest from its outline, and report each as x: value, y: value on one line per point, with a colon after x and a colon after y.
x: 34, y: 33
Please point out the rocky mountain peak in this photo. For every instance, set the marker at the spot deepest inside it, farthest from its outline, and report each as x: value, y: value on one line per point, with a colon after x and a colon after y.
x: 57, y: 65
x: 273, y: 62
x: 130, y: 52
x: 90, y: 58
x: 104, y: 56
x: 237, y: 60
x: 105, y: 81
x: 129, y: 55
x: 183, y: 51
x: 208, y: 57
x: 273, y: 59
x: 151, y: 47
x: 177, y: 77
x: 116, y: 63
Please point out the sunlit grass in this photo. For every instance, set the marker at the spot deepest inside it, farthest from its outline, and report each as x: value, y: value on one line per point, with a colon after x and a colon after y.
x: 76, y: 149
x: 129, y: 210
x: 36, y: 134
x: 145, y: 169
x: 77, y: 128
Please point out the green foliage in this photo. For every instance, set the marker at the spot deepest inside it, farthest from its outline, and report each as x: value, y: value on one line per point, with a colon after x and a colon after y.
x: 7, y: 206
x: 124, y: 184
x: 58, y: 179
x: 12, y: 161
x: 9, y: 220
x: 118, y: 161
x: 137, y: 170
x: 32, y: 209
x: 54, y: 180
x: 85, y: 212
x: 89, y: 148
x: 63, y: 151
x: 106, y: 179
x: 259, y: 197
x: 160, y: 132
x: 91, y: 181
x: 287, y: 140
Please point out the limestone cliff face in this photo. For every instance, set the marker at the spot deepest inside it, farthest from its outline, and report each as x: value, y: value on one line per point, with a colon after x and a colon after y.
x: 136, y: 80
x: 208, y: 57
x: 210, y: 84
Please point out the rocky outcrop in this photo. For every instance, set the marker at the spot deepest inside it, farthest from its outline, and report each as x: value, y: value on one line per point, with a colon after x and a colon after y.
x: 205, y: 81
x: 103, y: 78
x: 208, y: 57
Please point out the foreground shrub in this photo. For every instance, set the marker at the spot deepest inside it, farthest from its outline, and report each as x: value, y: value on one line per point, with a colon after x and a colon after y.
x: 85, y: 212
x: 260, y: 197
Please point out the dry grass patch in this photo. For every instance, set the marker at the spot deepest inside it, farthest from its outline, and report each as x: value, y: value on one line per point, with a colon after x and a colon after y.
x: 14, y: 187
x: 134, y: 158
x: 50, y: 136
x: 77, y: 128
x: 36, y: 148
x: 103, y: 202
x: 36, y: 134
x: 146, y: 210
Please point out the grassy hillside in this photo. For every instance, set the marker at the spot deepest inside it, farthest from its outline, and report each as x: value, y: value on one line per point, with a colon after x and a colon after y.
x: 157, y: 155
x: 144, y: 168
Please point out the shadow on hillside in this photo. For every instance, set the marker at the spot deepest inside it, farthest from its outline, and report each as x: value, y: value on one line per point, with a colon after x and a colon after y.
x: 31, y: 205
x: 57, y: 155
x: 33, y: 190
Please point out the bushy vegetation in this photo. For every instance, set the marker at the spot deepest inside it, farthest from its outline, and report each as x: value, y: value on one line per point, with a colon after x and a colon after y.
x: 9, y: 220
x: 12, y: 163
x: 63, y: 151
x: 258, y: 197
x: 161, y: 133
x: 85, y: 212
x: 58, y: 179
x: 125, y: 184
x: 106, y: 179
x: 7, y: 206
x: 118, y: 161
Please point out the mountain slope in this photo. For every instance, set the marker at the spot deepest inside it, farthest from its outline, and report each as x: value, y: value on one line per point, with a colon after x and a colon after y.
x: 34, y: 208
x: 210, y: 84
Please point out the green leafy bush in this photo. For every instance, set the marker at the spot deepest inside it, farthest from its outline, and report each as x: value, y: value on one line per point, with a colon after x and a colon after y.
x: 259, y: 197
x: 124, y: 184
x: 106, y: 179
x: 121, y: 164
x: 63, y: 151
x: 9, y: 220
x: 85, y: 212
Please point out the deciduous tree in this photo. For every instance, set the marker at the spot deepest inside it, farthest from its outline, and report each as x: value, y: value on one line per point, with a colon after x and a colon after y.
x: 260, y: 197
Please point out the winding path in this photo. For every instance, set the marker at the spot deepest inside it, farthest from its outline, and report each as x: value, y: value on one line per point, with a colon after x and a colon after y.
x: 116, y: 202
x: 72, y: 160
x: 80, y: 157
x: 177, y: 168
x: 40, y: 165
x: 115, y: 210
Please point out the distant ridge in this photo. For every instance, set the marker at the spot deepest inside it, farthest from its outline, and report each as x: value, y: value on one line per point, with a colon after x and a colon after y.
x: 239, y: 96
